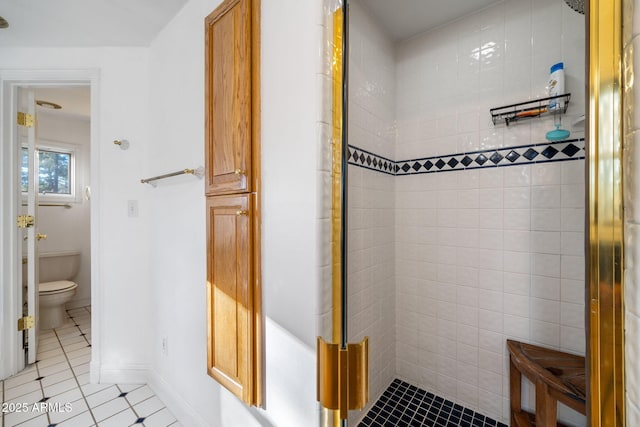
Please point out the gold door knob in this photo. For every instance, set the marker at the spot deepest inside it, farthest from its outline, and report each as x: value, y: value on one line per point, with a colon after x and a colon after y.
x: 240, y: 172
x: 41, y: 236
x: 238, y: 213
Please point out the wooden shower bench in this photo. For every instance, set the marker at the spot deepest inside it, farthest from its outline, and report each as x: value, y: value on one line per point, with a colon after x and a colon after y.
x: 558, y: 377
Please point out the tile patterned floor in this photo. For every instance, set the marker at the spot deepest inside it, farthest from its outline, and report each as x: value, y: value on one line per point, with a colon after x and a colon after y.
x: 55, y: 391
x: 405, y: 405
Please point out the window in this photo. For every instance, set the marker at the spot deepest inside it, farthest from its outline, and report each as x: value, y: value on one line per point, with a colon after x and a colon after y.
x: 55, y: 171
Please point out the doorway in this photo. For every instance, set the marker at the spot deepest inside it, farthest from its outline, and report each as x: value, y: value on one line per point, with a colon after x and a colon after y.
x: 66, y: 150
x: 446, y: 321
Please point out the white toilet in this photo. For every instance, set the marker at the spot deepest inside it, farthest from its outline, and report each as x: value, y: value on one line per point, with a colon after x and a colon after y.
x: 56, y: 288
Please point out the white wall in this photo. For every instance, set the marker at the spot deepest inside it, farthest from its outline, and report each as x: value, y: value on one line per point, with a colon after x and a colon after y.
x: 152, y: 268
x: 121, y: 244
x: 69, y: 229
x: 290, y: 33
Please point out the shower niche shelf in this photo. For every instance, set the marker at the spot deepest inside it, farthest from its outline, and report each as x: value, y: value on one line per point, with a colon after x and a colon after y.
x: 529, y: 109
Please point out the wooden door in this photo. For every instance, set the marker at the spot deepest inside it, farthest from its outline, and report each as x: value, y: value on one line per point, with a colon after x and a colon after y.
x: 230, y: 293
x: 228, y: 98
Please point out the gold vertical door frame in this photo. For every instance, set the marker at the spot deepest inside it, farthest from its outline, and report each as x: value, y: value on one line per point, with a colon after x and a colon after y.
x: 604, y: 266
x: 332, y: 417
x: 336, y: 174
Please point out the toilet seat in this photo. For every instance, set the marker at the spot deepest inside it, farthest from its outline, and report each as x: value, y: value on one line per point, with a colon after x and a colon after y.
x: 48, y: 288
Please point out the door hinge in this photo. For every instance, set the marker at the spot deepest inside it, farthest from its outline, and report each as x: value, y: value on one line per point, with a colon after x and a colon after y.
x: 25, y: 119
x: 343, y: 376
x: 26, y: 221
x: 26, y: 322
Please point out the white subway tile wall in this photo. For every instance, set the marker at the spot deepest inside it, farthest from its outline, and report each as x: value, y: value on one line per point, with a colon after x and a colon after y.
x: 371, y: 292
x: 480, y: 255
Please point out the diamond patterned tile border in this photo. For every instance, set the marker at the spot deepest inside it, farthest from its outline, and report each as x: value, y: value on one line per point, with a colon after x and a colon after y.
x: 368, y: 160
x: 572, y: 149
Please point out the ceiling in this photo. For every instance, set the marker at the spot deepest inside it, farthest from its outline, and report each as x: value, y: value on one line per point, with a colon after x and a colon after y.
x: 75, y: 100
x: 68, y: 23
x: 85, y: 22
x: 137, y: 22
x: 405, y: 18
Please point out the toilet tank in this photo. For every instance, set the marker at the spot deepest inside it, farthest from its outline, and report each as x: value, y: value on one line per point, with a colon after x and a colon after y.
x: 58, y: 266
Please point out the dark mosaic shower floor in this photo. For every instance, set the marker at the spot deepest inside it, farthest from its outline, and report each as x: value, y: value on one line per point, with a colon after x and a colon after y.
x: 405, y: 405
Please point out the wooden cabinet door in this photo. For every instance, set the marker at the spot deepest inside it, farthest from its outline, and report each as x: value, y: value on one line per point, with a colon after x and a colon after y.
x: 228, y: 98
x: 230, y: 294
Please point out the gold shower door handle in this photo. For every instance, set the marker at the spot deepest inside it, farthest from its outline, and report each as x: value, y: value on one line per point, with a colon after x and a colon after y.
x: 40, y: 236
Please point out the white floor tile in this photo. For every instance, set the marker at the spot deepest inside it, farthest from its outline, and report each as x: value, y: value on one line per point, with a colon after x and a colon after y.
x: 68, y: 396
x: 121, y: 419
x: 47, y: 334
x: 148, y: 407
x: 15, y: 418
x: 84, y: 351
x: 53, y: 345
x: 69, y: 334
x: 83, y: 420
x: 79, y: 354
x: 22, y: 389
x: 110, y: 408
x: 103, y: 396
x: 64, y: 363
x: 69, y: 325
x: 83, y: 322
x: 139, y: 394
x: 53, y: 369
x: 162, y: 418
x: 72, y: 340
x: 21, y: 378
x: 49, y: 354
x: 40, y: 421
x: 80, y: 360
x: 27, y: 398
x: 44, y: 343
x: 60, y: 376
x: 83, y: 379
x: 61, y: 387
x: 89, y: 389
x: 81, y: 369
x: 127, y: 388
x: 51, y: 361
x: 64, y: 412
x: 68, y: 348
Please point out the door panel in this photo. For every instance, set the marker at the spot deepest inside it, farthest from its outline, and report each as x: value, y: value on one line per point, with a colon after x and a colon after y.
x: 228, y: 107
x: 27, y: 137
x: 229, y: 290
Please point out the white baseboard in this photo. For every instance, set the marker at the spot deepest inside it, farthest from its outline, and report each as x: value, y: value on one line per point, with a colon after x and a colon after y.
x: 179, y: 407
x: 124, y: 374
